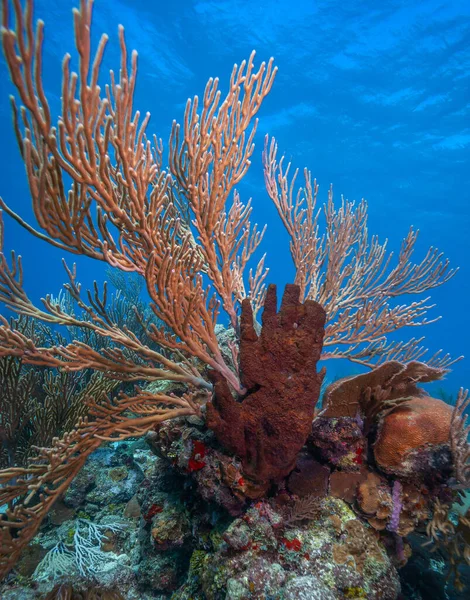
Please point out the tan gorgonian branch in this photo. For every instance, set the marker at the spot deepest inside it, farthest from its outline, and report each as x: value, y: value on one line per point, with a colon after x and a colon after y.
x: 121, y: 206
x: 380, y: 351
x: 451, y: 539
x: 439, y: 527
x: 350, y: 274
x: 459, y: 440
x: 210, y: 160
x: 37, y: 405
x: 307, y: 508
x: 18, y: 408
x: 78, y: 355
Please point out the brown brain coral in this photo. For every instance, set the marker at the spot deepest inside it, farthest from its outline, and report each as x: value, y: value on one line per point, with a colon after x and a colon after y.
x: 417, y: 425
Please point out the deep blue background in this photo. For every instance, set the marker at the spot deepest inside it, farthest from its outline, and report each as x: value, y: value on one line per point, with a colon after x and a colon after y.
x: 375, y: 99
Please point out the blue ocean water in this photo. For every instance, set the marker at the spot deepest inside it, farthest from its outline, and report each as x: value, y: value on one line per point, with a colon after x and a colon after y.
x: 372, y: 97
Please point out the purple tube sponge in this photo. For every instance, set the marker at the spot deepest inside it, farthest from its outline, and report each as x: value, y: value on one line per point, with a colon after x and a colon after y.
x: 396, y: 507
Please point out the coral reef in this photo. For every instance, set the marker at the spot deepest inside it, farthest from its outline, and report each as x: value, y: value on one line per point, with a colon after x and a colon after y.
x: 248, y: 490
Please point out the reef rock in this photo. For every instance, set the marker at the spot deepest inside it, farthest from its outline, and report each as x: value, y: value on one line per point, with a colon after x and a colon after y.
x: 259, y: 555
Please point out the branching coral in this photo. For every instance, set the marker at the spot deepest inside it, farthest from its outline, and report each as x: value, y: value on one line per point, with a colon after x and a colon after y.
x: 350, y: 275
x: 85, y: 556
x: 451, y: 536
x: 38, y: 405
x: 17, y: 405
